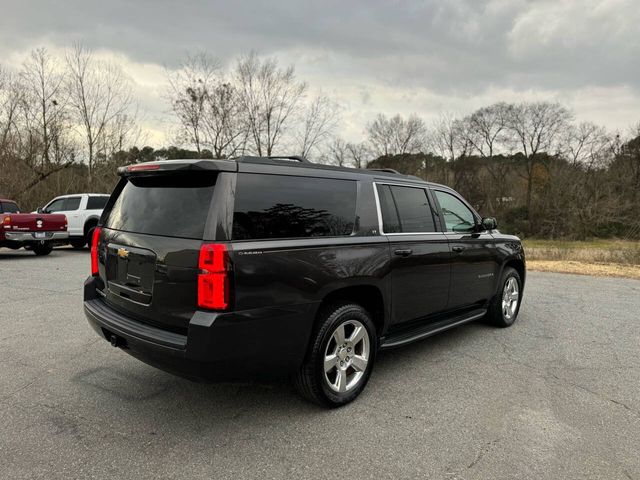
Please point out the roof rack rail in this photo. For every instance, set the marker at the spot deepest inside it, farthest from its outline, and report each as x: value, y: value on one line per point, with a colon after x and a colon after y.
x: 387, y: 170
x: 289, y: 157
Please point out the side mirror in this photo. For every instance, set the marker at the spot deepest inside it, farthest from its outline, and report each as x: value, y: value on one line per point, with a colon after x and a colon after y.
x: 40, y: 210
x: 489, y: 223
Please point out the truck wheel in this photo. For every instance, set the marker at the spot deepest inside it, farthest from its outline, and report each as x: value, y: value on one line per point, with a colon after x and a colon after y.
x: 78, y: 243
x: 88, y: 238
x: 505, y: 306
x: 42, y: 248
x: 341, y: 357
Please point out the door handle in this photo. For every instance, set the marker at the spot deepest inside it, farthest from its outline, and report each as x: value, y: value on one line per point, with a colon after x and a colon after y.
x: 403, y: 252
x: 457, y: 248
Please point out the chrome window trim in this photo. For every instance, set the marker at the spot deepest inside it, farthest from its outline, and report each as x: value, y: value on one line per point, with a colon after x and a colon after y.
x: 379, y: 210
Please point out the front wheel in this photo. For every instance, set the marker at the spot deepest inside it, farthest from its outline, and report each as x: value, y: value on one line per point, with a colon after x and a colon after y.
x: 505, y: 306
x: 44, y: 248
x: 341, y: 356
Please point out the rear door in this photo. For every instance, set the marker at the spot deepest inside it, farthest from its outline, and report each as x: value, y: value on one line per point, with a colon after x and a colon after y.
x: 420, y: 253
x: 474, y: 261
x: 70, y: 207
x: 150, y: 245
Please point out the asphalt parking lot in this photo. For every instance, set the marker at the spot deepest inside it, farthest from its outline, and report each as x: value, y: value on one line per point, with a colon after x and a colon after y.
x: 556, y: 396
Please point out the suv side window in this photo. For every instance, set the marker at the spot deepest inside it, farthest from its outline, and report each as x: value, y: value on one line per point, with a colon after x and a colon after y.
x: 96, y: 203
x: 390, y: 219
x: 279, y: 206
x: 457, y: 216
x: 72, y: 203
x: 405, y: 209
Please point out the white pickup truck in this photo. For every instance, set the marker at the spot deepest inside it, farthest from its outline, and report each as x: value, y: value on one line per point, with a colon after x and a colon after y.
x: 82, y: 210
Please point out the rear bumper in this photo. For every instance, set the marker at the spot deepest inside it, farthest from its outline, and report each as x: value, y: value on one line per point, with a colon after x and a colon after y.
x: 31, y: 236
x: 261, y: 343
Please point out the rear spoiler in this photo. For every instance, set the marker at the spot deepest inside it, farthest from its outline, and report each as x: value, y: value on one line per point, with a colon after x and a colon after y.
x: 178, y: 166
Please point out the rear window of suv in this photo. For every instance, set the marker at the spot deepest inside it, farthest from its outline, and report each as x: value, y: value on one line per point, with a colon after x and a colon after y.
x: 282, y: 206
x: 169, y: 205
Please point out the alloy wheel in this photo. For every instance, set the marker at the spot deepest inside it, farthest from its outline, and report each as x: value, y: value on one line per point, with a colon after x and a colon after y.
x: 346, y: 356
x: 510, y: 297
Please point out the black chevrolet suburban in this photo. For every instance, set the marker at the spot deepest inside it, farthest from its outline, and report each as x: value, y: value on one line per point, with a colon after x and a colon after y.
x: 220, y: 269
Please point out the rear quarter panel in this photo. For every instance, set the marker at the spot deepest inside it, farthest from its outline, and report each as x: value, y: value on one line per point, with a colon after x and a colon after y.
x: 303, y: 271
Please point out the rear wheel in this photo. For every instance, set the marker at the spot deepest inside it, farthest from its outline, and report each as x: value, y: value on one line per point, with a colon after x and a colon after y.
x: 341, y: 358
x: 42, y: 248
x: 506, y: 304
x: 78, y: 243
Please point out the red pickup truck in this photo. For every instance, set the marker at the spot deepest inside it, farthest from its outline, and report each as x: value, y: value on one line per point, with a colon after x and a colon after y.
x: 37, y: 232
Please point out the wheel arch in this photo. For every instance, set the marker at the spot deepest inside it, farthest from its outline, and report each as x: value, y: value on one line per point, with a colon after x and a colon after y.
x: 519, y: 266
x: 367, y: 295
x: 89, y: 223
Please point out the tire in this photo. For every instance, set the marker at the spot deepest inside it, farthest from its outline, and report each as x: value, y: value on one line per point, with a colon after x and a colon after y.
x: 350, y: 362
x: 78, y: 243
x: 41, y: 249
x: 502, y: 311
x: 89, y: 236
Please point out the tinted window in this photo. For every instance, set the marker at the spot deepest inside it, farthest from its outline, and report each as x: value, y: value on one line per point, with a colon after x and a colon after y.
x: 97, y: 203
x: 55, y: 206
x: 168, y: 205
x: 9, y: 207
x: 277, y: 206
x: 390, y: 220
x: 413, y: 211
x: 72, y: 203
x: 457, y: 215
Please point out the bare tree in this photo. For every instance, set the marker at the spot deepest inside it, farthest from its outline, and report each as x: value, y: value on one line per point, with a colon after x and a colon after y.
x: 395, y: 135
x: 586, y: 143
x: 447, y: 138
x: 484, y: 129
x: 99, y: 94
x: 44, y: 84
x: 11, y: 99
x: 319, y: 121
x: 338, y: 152
x: 358, y: 153
x: 536, y: 128
x: 225, y: 126
x: 269, y: 96
x: 190, y: 88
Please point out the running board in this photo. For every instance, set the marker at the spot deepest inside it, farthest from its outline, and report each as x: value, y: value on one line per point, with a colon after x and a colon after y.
x: 399, y: 339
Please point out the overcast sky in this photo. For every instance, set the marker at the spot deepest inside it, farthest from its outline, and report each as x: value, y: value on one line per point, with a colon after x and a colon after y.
x: 422, y: 57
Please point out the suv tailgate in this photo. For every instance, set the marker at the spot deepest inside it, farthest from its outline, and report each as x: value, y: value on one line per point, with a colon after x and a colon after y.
x: 150, y: 243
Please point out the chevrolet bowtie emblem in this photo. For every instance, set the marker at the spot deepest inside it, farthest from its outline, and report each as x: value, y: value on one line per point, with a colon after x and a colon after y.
x: 123, y: 253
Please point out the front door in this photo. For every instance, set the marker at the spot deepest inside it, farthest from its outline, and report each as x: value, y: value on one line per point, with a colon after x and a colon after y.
x: 474, y: 257
x: 420, y: 268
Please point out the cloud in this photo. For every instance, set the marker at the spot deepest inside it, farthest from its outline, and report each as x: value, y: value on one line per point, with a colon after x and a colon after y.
x: 373, y: 56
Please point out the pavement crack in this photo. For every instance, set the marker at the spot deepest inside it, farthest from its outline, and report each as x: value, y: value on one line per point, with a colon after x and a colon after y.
x: 593, y: 392
x: 483, y: 451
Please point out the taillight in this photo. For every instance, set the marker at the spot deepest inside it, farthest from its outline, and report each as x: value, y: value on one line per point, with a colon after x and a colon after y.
x: 94, y: 250
x: 213, y: 279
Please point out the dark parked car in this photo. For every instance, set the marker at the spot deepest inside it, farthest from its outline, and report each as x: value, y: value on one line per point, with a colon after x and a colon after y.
x: 218, y: 269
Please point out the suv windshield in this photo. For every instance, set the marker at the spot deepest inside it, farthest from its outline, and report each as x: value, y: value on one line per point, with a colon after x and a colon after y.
x: 167, y: 205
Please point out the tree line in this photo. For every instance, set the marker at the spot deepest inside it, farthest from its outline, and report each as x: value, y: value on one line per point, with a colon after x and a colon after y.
x: 67, y: 123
